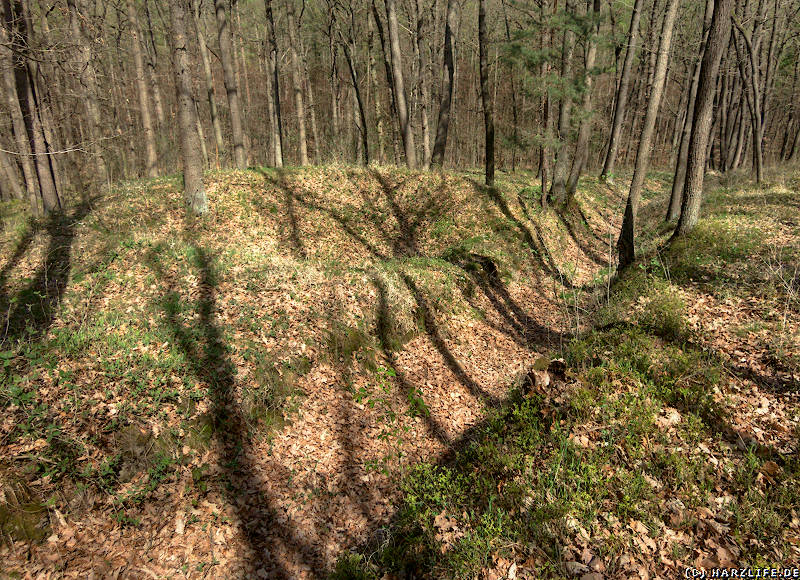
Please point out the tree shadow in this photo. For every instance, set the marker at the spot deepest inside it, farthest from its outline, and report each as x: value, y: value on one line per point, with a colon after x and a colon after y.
x: 34, y: 308
x: 206, y: 353
x: 541, y: 254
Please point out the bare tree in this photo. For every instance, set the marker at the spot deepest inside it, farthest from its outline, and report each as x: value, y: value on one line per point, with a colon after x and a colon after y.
x: 625, y: 244
x: 448, y: 63
x: 151, y: 153
x: 208, y: 78
x: 297, y: 83
x: 87, y: 88
x: 488, y: 112
x: 718, y: 37
x: 399, y: 86
x: 229, y: 78
x: 193, y: 188
x: 273, y: 88
x: 621, y: 100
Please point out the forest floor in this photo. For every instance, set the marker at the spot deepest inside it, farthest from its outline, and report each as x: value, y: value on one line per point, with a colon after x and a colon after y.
x: 340, y: 370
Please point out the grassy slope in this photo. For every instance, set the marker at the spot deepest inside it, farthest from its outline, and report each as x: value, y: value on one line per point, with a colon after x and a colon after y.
x: 670, y: 442
x: 158, y: 365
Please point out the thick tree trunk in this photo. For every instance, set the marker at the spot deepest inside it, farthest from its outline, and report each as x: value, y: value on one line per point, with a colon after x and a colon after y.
x: 151, y: 153
x: 297, y: 83
x: 208, y: 77
x: 399, y: 85
x: 625, y: 244
x: 443, y: 124
x: 695, y: 170
x: 274, y: 88
x: 87, y: 88
x: 229, y: 78
x: 683, y: 149
x: 193, y: 189
x: 362, y: 115
x: 621, y: 100
x: 488, y: 110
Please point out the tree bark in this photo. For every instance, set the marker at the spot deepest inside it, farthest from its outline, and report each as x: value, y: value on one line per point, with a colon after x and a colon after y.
x: 229, y: 79
x: 558, y: 190
x: 443, y: 124
x: 7, y: 66
x: 399, y: 86
x: 297, y: 83
x: 622, y: 93
x: 151, y: 152
x: 193, y: 189
x: 625, y: 244
x: 585, y: 130
x: 17, y: 26
x: 683, y: 148
x: 209, y: 80
x: 695, y: 170
x: 274, y: 87
x: 488, y: 109
x: 11, y: 183
x: 87, y: 88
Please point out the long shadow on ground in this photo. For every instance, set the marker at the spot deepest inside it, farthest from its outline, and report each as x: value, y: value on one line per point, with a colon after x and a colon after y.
x: 204, y: 348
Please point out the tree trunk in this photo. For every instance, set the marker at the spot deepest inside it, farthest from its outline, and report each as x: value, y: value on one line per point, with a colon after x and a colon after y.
x: 17, y: 26
x: 209, y: 80
x: 440, y: 144
x: 625, y: 244
x: 695, y: 170
x: 151, y: 154
x: 622, y: 93
x: 229, y: 78
x: 7, y: 66
x: 399, y: 86
x: 87, y: 88
x: 558, y: 190
x: 683, y: 149
x: 754, y: 99
x: 362, y: 115
x: 274, y: 87
x: 585, y: 130
x: 11, y: 183
x: 488, y: 110
x: 297, y: 83
x: 193, y: 189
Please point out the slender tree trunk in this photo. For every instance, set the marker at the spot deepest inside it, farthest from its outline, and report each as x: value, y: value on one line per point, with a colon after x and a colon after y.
x: 440, y: 144
x: 683, y: 149
x: 754, y: 100
x: 695, y: 170
x: 585, y: 130
x: 229, y: 78
x: 625, y: 244
x: 88, y: 90
x: 362, y: 115
x: 558, y: 190
x: 399, y: 86
x: 7, y: 67
x: 151, y: 154
x: 488, y: 109
x: 297, y: 83
x: 193, y: 189
x: 622, y: 93
x: 209, y: 80
x: 309, y: 91
x: 18, y: 26
x: 274, y: 87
